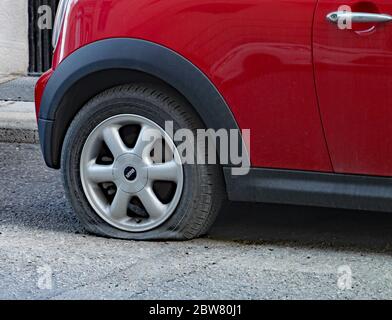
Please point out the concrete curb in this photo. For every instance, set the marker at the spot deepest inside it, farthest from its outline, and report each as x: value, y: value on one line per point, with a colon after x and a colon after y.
x: 4, y: 78
x: 18, y: 136
x: 17, y: 122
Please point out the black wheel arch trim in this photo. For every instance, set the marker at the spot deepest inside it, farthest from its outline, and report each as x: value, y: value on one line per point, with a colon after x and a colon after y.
x: 126, y: 54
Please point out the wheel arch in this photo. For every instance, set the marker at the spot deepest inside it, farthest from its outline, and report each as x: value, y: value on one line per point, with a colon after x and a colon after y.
x: 108, y: 63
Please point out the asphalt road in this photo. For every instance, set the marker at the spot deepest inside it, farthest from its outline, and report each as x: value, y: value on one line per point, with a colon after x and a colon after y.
x: 253, y: 251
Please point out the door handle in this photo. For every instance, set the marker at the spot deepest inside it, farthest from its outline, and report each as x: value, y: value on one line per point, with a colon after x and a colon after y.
x: 358, y: 17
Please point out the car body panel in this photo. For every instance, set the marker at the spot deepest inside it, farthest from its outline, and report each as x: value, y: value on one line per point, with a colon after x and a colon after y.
x: 257, y: 53
x: 353, y: 69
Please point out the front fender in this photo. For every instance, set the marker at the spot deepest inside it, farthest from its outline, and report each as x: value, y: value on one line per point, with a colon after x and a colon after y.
x: 152, y: 59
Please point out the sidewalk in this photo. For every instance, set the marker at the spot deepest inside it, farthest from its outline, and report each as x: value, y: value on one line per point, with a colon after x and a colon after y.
x: 17, y: 111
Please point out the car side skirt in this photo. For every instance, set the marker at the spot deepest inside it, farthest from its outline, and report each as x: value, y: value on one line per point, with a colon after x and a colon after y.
x: 311, y: 188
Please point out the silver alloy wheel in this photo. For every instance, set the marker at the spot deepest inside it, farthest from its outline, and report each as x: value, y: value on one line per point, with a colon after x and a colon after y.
x: 133, y: 171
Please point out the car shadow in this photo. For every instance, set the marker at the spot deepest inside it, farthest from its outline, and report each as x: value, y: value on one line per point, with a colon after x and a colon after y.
x: 299, y: 226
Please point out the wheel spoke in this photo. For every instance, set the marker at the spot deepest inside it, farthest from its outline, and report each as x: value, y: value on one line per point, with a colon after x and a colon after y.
x: 146, y: 140
x: 119, y: 206
x: 168, y: 171
x: 100, y: 173
x: 151, y: 203
x: 112, y: 138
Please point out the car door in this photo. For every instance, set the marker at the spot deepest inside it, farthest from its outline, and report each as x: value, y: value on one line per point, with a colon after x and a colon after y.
x: 353, y: 73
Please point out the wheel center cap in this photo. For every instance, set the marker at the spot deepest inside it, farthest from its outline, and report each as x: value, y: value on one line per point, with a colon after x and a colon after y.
x: 130, y: 173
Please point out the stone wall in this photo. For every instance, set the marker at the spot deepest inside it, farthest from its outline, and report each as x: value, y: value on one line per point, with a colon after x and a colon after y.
x: 14, y: 51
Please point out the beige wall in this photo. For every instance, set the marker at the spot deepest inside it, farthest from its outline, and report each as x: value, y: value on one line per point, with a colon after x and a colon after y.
x: 13, y: 37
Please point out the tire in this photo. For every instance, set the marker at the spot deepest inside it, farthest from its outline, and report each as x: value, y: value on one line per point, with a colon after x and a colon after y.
x: 202, y: 186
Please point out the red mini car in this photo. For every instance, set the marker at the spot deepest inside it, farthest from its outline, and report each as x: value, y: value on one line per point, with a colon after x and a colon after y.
x: 311, y: 81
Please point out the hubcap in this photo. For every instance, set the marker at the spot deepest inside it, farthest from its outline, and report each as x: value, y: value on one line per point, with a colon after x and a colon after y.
x: 130, y: 173
x: 124, y: 181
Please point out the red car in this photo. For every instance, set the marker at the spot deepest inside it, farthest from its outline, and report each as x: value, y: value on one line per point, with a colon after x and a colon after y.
x: 311, y: 80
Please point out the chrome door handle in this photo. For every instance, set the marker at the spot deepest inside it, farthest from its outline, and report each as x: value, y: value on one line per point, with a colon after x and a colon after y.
x: 358, y: 17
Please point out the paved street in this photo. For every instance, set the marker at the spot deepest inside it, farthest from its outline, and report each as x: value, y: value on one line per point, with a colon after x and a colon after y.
x: 17, y: 111
x: 253, y: 251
